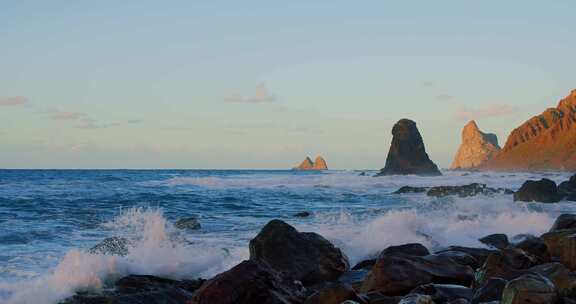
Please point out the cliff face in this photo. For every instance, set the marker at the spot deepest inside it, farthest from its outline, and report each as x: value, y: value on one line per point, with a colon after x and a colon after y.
x: 407, y: 154
x: 544, y: 142
x: 308, y: 164
x: 476, y: 148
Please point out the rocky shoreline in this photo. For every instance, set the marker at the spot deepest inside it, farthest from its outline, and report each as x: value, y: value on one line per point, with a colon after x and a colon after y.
x: 287, y: 266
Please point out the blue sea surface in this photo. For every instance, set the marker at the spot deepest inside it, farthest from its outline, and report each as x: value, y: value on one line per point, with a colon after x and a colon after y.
x: 49, y: 218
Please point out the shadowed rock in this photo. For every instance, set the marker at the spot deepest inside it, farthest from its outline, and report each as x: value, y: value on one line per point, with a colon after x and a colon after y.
x: 304, y: 256
x: 407, y: 154
x: 529, y: 288
x: 544, y: 191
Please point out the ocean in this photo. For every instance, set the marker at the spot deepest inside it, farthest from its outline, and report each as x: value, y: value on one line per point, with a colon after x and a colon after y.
x: 50, y: 218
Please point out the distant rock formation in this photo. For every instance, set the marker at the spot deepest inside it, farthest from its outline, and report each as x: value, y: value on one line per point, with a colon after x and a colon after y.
x: 476, y: 148
x: 544, y: 142
x: 308, y: 164
x: 407, y: 154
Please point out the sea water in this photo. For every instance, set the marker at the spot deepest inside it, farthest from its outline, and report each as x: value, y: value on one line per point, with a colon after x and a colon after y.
x: 50, y: 218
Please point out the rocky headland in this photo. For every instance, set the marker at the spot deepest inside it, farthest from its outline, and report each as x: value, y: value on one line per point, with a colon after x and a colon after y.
x: 476, y: 148
x: 407, y: 154
x: 544, y: 142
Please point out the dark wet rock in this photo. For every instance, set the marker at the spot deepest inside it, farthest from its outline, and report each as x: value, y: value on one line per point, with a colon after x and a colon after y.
x: 334, y: 293
x: 354, y: 278
x: 497, y: 240
x: 141, y: 289
x: 303, y: 214
x: 491, y: 290
x: 304, y: 256
x: 416, y: 299
x: 529, y: 288
x: 544, y: 191
x: 507, y: 264
x: 458, y: 301
x: 189, y: 223
x: 442, y: 293
x: 380, y: 298
x: 461, y: 258
x: 562, y: 246
x: 112, y: 246
x: 407, y: 154
x: 410, y: 189
x: 413, y: 249
x: 562, y: 277
x: 462, y: 191
x: 567, y: 189
x: 249, y: 282
x: 534, y: 246
x: 362, y: 174
x: 399, y: 274
x: 365, y: 264
x: 480, y: 254
x: 564, y: 221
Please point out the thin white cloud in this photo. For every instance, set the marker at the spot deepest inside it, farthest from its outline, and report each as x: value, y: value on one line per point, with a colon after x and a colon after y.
x: 445, y: 97
x: 12, y: 101
x: 494, y: 110
x: 261, y: 96
x: 64, y: 115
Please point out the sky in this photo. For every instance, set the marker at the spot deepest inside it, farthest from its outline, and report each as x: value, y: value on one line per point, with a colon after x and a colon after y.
x: 262, y: 84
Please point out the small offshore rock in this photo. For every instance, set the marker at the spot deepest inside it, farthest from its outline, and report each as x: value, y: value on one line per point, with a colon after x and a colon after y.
x: 112, y: 246
x: 410, y: 189
x: 189, y: 223
x: 303, y: 214
x: 544, y: 191
x: 567, y: 189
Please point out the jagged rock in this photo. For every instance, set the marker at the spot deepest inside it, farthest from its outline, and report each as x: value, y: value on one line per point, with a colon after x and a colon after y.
x: 490, y: 290
x: 398, y: 274
x: 497, y: 240
x: 567, y: 189
x: 442, y: 293
x: 463, y: 191
x: 247, y: 283
x: 141, y: 289
x: 334, y: 293
x: 544, y: 191
x: 304, y: 256
x: 189, y: 223
x: 308, y: 164
x: 529, y: 288
x: 410, y: 189
x: 564, y: 221
x: 544, y: 142
x: 476, y: 148
x: 407, y: 154
x: 112, y: 246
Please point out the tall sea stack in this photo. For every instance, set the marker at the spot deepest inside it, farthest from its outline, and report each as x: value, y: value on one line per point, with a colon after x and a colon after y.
x: 476, y: 149
x: 407, y: 154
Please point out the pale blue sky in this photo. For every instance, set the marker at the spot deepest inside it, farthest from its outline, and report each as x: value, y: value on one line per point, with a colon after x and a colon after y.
x: 259, y: 84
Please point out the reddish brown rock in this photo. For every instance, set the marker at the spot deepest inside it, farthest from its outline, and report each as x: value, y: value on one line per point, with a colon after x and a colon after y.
x: 308, y: 164
x: 476, y: 148
x: 546, y: 141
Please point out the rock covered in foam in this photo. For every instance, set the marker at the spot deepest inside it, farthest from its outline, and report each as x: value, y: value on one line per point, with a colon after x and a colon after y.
x: 476, y: 148
x: 407, y: 154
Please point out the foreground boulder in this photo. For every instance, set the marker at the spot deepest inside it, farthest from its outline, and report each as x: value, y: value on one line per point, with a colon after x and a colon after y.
x: 491, y: 290
x: 508, y: 264
x: 544, y: 191
x: 476, y: 149
x: 562, y: 246
x: 141, y: 289
x: 416, y: 299
x: 441, y: 293
x: 407, y: 154
x: 529, y: 288
x: 303, y: 256
x: 398, y: 274
x: 562, y: 277
x: 249, y: 282
x: 564, y: 221
x: 334, y: 293
x: 496, y: 240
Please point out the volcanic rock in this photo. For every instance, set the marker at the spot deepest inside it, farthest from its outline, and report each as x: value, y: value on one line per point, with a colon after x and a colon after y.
x: 544, y: 142
x: 544, y: 191
x: 476, y: 148
x: 303, y: 256
x: 407, y: 154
